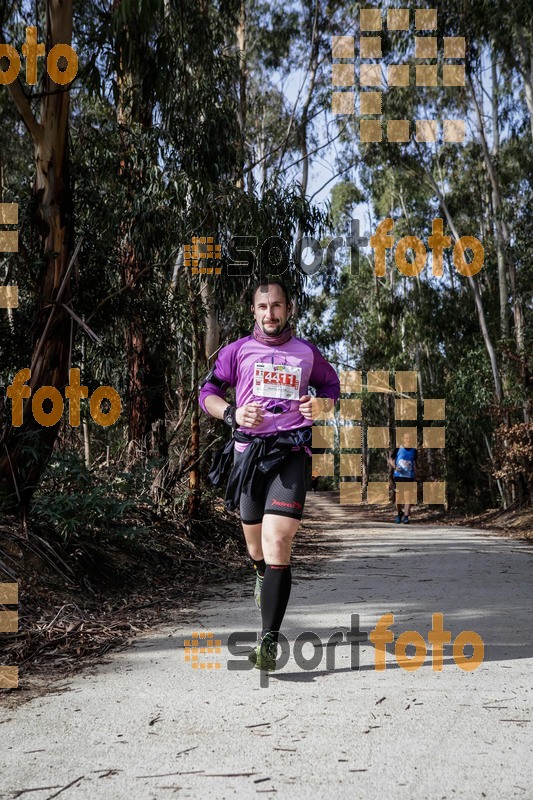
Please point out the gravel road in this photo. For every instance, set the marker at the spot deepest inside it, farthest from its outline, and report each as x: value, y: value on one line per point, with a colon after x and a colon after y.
x: 147, y: 724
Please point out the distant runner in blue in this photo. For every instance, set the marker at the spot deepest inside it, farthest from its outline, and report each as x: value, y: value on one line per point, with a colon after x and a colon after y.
x: 403, y: 463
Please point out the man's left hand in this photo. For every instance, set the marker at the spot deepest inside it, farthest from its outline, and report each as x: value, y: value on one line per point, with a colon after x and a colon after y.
x: 313, y: 407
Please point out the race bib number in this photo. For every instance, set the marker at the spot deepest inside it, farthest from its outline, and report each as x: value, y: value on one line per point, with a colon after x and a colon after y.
x: 277, y: 380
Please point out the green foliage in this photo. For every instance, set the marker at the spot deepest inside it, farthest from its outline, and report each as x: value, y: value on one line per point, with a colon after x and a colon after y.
x: 79, y: 503
x: 174, y: 133
x: 344, y: 197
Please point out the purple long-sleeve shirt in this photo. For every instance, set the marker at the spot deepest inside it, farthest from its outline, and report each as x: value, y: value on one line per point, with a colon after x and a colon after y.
x: 260, y: 371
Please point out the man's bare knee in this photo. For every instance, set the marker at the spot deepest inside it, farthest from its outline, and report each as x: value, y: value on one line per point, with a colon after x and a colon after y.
x: 278, y: 548
x: 278, y: 534
x: 252, y: 535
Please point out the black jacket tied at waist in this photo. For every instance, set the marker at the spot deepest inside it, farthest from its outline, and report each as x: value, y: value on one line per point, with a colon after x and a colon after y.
x: 262, y: 457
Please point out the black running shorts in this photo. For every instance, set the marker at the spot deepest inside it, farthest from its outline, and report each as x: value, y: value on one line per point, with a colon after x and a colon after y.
x: 282, y: 493
x: 403, y: 480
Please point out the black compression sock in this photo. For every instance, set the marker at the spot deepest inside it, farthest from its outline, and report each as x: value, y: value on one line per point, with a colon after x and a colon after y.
x: 259, y: 566
x: 275, y: 596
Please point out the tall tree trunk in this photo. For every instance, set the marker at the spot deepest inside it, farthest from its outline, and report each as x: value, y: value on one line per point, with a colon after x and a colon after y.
x: 525, y: 67
x: 500, y: 244
x: 503, y: 245
x: 212, y: 328
x: 146, y: 382
x: 429, y: 451
x: 241, y: 41
x: 20, y: 467
x: 491, y: 352
x: 85, y: 421
x: 304, y: 122
x: 193, y: 500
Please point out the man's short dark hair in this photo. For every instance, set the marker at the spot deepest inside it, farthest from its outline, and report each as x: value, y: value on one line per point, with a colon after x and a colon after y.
x: 263, y: 285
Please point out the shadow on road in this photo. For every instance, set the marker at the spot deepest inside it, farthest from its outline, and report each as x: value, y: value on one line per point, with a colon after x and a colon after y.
x: 345, y: 564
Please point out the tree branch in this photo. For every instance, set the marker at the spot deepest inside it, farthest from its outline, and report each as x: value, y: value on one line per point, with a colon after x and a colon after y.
x: 26, y: 114
x: 22, y: 103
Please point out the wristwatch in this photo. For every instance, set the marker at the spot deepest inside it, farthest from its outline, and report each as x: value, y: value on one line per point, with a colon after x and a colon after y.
x: 229, y: 416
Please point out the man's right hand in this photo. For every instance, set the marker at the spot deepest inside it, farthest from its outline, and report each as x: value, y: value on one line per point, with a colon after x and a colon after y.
x: 250, y: 415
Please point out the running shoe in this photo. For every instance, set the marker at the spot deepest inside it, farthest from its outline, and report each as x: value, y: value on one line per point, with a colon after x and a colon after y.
x: 263, y: 656
x: 406, y: 520
x: 258, y: 586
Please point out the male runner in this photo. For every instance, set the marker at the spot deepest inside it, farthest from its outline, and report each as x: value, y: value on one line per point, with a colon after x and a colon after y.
x: 403, y: 462
x: 271, y: 370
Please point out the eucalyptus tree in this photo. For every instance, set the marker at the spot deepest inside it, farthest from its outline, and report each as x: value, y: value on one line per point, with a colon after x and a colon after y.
x: 480, y: 188
x: 43, y: 109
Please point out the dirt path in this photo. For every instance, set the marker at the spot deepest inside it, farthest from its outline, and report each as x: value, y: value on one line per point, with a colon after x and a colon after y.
x: 148, y: 725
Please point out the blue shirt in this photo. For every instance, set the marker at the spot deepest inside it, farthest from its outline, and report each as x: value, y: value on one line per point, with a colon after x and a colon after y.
x: 405, y: 458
